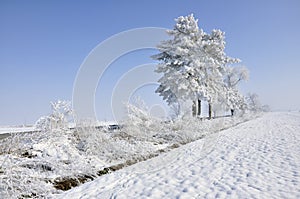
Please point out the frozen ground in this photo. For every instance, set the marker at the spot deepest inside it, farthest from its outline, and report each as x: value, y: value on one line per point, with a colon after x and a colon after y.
x: 5, y: 130
x: 24, y: 129
x: 256, y: 159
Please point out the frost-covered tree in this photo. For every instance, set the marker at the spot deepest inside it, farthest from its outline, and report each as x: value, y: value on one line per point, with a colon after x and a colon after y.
x: 177, y: 62
x: 215, y: 61
x: 193, y: 64
x: 233, y: 76
x: 182, y: 62
x: 255, y: 105
x: 253, y: 102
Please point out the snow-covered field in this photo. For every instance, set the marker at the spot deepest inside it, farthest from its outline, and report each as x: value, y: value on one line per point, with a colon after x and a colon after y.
x: 220, y: 158
x: 24, y: 129
x: 4, y: 130
x: 256, y: 159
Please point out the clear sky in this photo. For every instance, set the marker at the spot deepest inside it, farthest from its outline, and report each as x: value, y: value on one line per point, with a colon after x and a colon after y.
x: 43, y: 44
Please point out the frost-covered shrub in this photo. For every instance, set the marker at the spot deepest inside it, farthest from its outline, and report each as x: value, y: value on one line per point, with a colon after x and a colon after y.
x: 184, y: 130
x: 90, y: 139
x: 23, y: 178
x: 140, y: 123
x: 30, y: 162
x: 31, y: 169
x: 142, y: 126
x: 111, y: 147
x: 62, y: 115
x: 43, y: 124
x: 20, y: 175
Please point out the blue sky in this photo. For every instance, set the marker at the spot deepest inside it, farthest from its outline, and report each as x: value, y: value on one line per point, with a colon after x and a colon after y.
x: 43, y: 44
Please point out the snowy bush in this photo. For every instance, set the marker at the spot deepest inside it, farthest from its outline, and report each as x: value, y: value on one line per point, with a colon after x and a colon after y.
x: 90, y: 139
x: 184, y: 129
x: 62, y: 115
x: 140, y: 123
x: 30, y: 170
x: 30, y: 162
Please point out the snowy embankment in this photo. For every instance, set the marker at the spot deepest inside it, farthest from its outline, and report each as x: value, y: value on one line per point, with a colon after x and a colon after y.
x: 256, y: 159
x: 56, y: 159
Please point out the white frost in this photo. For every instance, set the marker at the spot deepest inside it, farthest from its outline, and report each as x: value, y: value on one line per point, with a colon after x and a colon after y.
x: 257, y: 159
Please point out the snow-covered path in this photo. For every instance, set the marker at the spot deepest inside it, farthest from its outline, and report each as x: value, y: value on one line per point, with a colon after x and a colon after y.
x: 257, y: 159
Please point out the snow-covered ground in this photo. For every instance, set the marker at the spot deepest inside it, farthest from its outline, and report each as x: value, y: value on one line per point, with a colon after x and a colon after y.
x: 24, y: 129
x: 8, y: 129
x: 256, y: 159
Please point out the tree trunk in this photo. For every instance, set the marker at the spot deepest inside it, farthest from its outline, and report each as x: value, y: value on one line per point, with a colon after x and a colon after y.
x: 194, y: 109
x: 232, y: 112
x: 209, y: 111
x: 199, y: 107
